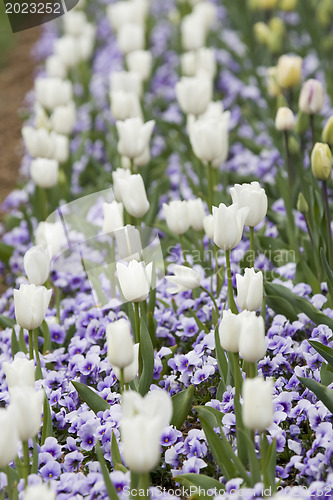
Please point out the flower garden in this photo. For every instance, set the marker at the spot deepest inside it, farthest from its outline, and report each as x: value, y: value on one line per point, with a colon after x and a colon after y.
x: 166, y: 329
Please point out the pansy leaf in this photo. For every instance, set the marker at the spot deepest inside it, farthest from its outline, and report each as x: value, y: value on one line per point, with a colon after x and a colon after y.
x: 182, y: 404
x: 322, y: 392
x: 93, y: 400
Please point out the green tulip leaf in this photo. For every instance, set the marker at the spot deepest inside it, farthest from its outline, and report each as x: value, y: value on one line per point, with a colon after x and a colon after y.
x: 93, y: 400
x: 111, y: 490
x: 147, y: 357
x: 222, y: 361
x: 324, y: 351
x: 14, y: 343
x: 47, y: 420
x: 6, y: 322
x: 194, y: 482
x: 6, y: 251
x: 115, y: 453
x: 323, y: 393
x: 182, y: 404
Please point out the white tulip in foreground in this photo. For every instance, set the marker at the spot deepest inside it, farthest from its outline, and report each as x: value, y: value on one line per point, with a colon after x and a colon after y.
x: 44, y: 172
x: 53, y: 92
x: 252, y: 346
x: 39, y: 492
x: 31, y: 303
x: 36, y: 264
x: 9, y: 438
x: 208, y: 225
x: 128, y: 243
x: 134, y: 136
x: 134, y: 280
x: 113, y: 216
x: 285, y: 119
x: 117, y: 176
x: 177, y: 216
x: 254, y: 198
x: 130, y: 371
x: 133, y: 195
x: 209, y: 138
x: 229, y: 225
x: 120, y: 344
x: 141, y: 427
x: 194, y: 94
x: 20, y: 373
x: 27, y: 402
x: 257, y: 407
x: 311, y: 98
x: 196, y: 213
x: 229, y: 331
x: 184, y: 279
x: 250, y: 289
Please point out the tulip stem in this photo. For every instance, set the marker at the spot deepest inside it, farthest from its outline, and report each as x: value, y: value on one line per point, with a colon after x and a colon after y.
x: 122, y: 380
x: 38, y: 375
x: 10, y: 485
x: 144, y: 484
x: 312, y: 126
x: 231, y: 300
x: 31, y: 345
x: 26, y: 462
x: 237, y: 374
x: 210, y: 186
x: 328, y: 222
x: 288, y: 159
x: 251, y: 247
x: 137, y: 322
x: 212, y: 297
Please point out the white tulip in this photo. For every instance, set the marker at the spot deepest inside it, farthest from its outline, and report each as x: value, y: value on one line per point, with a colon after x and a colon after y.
x: 127, y: 81
x: 51, y: 236
x: 128, y: 243
x: 86, y: 42
x: 253, y: 197
x: 124, y: 12
x: 177, y: 216
x: 130, y: 371
x: 39, y: 142
x: 311, y: 98
x: 252, y: 346
x: 201, y: 61
x: 113, y: 216
x: 229, y: 331
x: 39, y: 491
x: 133, y: 195
x: 67, y: 49
x: 207, y: 12
x: 20, y: 373
x: 125, y: 105
x: 120, y: 344
x: 36, y: 264
x: 134, y: 280
x: 208, y: 224
x: 194, y: 94
x: 289, y: 71
x: 156, y: 403
x: 250, y: 289
x: 210, y: 139
x: 53, y: 92
x: 117, y: 176
x: 184, y: 279
x: 134, y: 136
x: 228, y: 225
x: 55, y: 68
x: 285, y: 119
x: 9, y: 439
x: 196, y: 213
x: 44, y: 172
x: 31, y: 303
x: 27, y: 405
x: 140, y: 61
x: 193, y: 32
x: 75, y: 23
x: 61, y: 150
x: 63, y: 118
x: 257, y: 410
x: 131, y: 37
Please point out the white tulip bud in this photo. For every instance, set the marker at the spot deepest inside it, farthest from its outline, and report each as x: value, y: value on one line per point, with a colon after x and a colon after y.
x: 250, y: 289
x: 229, y: 225
x: 127, y: 81
x: 134, y: 280
x: 117, y: 176
x: 67, y: 49
x: 36, y: 264
x: 229, y: 331
x: 63, y: 118
x: 201, y: 61
x: 133, y: 195
x: 44, y: 172
x: 31, y: 303
x: 289, y: 71
x: 193, y: 32
x: 39, y: 491
x: 177, y: 216
x: 55, y: 68
x: 38, y: 142
x: 51, y: 236
x: 123, y: 12
x: 20, y: 373
x: 285, y: 119
x: 53, y: 92
x: 257, y: 410
x: 207, y: 12
x: 131, y: 37
x: 196, y: 213
x: 252, y: 346
x: 311, y: 98
x: 113, y: 216
x: 120, y: 344
x: 253, y: 197
x: 210, y: 139
x: 128, y: 243
x: 156, y: 403
x: 9, y: 439
x: 61, y: 149
x: 75, y: 23
x: 194, y: 94
x: 184, y: 279
x: 140, y: 61
x: 134, y: 136
x: 125, y: 105
x: 208, y: 224
x: 130, y: 371
x: 27, y: 404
